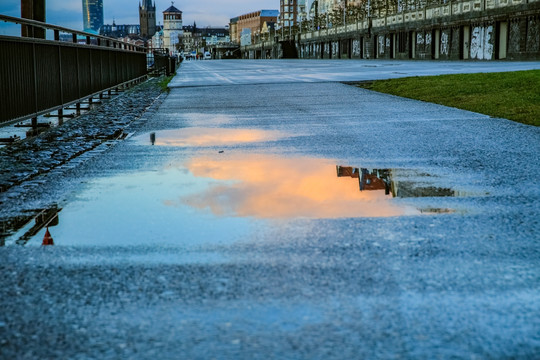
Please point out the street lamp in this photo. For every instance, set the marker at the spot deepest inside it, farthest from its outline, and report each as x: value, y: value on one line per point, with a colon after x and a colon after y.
x: 345, y: 13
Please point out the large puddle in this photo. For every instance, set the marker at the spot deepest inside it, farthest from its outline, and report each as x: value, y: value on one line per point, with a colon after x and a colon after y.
x: 219, y: 198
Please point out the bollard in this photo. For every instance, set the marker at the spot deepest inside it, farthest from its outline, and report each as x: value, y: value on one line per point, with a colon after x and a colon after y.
x: 47, y: 239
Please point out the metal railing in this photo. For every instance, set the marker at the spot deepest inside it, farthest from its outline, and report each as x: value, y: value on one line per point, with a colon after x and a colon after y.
x: 163, y: 63
x: 38, y: 76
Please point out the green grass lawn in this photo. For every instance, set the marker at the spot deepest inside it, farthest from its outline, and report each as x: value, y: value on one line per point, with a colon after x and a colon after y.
x: 509, y: 95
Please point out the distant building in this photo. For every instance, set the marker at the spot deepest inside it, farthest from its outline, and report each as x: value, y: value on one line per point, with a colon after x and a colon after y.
x: 198, y: 40
x: 92, y: 15
x: 268, y: 29
x: 252, y: 24
x: 119, y: 31
x: 172, y: 29
x: 147, y: 18
x: 288, y: 13
x: 157, y: 40
x: 213, y: 36
x: 233, y: 29
x: 314, y: 7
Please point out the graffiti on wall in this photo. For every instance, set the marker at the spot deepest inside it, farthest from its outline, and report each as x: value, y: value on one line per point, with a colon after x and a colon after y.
x: 335, y: 48
x: 356, y: 47
x: 327, y: 48
x: 533, y: 35
x: 428, y: 39
x: 381, y: 44
x: 514, y: 37
x: 445, y: 44
x: 420, y: 39
x: 482, y: 43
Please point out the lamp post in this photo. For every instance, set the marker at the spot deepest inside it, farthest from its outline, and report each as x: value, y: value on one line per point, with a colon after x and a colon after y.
x: 345, y: 13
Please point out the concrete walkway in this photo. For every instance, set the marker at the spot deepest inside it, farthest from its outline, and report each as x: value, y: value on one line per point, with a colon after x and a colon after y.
x: 230, y: 233
x: 227, y: 72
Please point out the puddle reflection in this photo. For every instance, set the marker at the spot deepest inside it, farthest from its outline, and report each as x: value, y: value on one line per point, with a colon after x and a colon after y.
x: 199, y: 136
x: 383, y: 179
x: 215, y: 199
x: 264, y: 186
x: 25, y: 227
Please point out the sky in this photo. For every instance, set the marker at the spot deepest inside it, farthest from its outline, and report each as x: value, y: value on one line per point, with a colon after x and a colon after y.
x: 68, y: 13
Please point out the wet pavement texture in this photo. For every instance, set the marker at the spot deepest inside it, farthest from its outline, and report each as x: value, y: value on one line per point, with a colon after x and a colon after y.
x: 249, y: 72
x: 33, y: 156
x: 299, y: 221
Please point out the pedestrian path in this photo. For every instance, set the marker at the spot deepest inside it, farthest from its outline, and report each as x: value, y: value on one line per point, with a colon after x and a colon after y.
x: 227, y: 72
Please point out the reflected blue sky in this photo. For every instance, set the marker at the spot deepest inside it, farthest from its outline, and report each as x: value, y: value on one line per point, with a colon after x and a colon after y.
x: 131, y: 210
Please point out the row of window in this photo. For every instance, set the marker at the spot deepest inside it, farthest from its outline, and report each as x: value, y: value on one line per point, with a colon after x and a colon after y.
x: 172, y: 17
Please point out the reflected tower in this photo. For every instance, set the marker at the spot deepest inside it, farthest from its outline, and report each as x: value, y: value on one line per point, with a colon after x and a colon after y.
x: 92, y: 15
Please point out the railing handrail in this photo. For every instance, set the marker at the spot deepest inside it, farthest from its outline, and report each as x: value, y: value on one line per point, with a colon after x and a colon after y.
x: 46, y: 26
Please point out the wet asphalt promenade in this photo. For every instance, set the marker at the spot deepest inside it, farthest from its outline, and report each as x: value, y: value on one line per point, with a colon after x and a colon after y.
x: 264, y: 210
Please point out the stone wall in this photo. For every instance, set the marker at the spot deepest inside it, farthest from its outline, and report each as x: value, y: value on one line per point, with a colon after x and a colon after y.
x: 475, y: 30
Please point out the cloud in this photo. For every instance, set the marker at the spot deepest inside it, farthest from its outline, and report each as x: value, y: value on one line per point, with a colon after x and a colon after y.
x: 267, y: 186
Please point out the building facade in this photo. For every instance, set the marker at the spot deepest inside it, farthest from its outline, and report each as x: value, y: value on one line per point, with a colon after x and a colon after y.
x: 117, y: 31
x: 288, y: 13
x: 251, y: 24
x: 172, y: 29
x: 233, y: 29
x: 147, y: 18
x: 92, y: 15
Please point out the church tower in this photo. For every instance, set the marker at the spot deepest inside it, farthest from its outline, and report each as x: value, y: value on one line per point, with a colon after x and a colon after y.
x: 147, y: 17
x: 172, y: 28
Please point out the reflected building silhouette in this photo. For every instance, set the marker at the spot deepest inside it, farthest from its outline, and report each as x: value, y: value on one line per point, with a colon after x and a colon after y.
x: 375, y: 180
x: 368, y: 180
x: 383, y: 179
x: 343, y: 171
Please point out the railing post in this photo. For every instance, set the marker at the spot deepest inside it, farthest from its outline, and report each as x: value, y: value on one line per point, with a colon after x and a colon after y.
x: 60, y: 76
x: 78, y: 82
x: 33, y: 10
x: 34, y: 119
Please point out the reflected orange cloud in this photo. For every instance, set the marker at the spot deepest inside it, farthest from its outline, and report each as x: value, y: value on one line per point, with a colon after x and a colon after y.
x: 198, y: 136
x: 265, y: 186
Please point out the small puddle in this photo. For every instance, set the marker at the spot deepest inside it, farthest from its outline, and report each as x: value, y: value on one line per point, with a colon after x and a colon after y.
x: 200, y: 136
